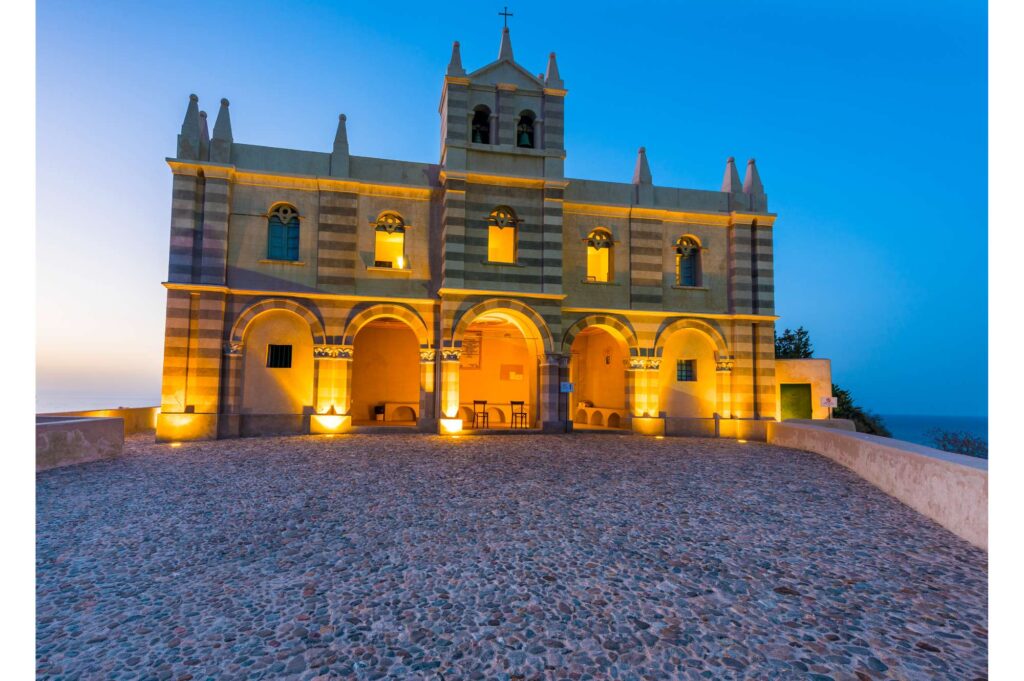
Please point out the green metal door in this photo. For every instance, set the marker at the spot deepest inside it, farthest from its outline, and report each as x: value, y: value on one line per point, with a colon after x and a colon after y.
x: 796, y: 400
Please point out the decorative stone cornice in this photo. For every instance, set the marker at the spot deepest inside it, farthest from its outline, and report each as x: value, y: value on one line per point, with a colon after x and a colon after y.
x: 644, y: 363
x: 332, y: 352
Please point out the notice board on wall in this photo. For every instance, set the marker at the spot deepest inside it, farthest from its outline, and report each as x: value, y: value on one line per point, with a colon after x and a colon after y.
x: 511, y: 372
x: 472, y: 342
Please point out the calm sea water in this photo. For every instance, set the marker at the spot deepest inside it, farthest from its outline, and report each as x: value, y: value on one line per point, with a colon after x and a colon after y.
x: 47, y: 402
x: 915, y: 428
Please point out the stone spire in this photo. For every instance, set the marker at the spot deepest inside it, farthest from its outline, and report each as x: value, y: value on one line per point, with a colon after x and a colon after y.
x: 204, y: 138
x: 642, y: 171
x: 188, y: 139
x: 220, y: 146
x: 642, y: 180
x: 340, y: 155
x: 752, y: 181
x: 551, y: 78
x: 505, y: 51
x: 731, y: 179
x: 455, y: 65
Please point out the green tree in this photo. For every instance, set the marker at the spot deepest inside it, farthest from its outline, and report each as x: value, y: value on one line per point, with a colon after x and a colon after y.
x: 794, y: 344
x: 866, y: 421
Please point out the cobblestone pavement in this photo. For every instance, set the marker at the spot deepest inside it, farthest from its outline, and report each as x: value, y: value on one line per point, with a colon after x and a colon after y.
x: 504, y: 557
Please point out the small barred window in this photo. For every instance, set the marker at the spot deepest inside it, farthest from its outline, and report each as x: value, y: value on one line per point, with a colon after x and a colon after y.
x: 279, y: 356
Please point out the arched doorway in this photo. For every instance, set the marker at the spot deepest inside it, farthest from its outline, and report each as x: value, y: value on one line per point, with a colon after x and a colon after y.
x: 597, y: 370
x: 385, y: 374
x: 499, y: 365
x: 277, y: 368
x: 687, y: 375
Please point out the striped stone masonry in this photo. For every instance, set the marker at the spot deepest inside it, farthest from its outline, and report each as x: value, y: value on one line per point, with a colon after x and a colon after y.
x: 554, y: 121
x: 216, y: 209
x: 764, y: 262
x: 186, y: 225
x: 646, y: 263
x: 453, y: 234
x: 336, y: 242
x: 741, y: 298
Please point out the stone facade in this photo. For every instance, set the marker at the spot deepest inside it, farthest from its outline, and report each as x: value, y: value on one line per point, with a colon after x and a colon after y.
x: 652, y: 302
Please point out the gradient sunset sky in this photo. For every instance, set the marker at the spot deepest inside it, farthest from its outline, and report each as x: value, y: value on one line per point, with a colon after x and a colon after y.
x: 867, y: 120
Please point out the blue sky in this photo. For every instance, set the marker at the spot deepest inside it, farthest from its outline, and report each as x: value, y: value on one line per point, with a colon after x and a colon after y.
x: 868, y: 121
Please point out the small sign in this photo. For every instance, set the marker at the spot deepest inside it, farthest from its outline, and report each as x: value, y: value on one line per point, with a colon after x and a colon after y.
x: 566, y: 387
x: 831, y: 402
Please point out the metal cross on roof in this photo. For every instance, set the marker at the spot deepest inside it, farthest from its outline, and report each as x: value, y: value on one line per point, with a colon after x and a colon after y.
x: 506, y: 14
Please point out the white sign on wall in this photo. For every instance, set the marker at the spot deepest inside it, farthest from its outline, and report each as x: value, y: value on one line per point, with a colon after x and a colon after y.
x: 831, y: 402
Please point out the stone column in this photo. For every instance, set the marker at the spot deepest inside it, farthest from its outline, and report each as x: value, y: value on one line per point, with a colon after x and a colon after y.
x: 493, y: 129
x: 231, y: 388
x: 332, y: 376
x: 427, y: 420
x: 643, y: 386
x: 450, y: 382
x: 547, y: 388
x: 538, y: 133
x: 723, y: 384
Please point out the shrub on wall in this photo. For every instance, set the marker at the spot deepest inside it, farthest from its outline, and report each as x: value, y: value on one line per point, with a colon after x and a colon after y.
x: 959, y: 442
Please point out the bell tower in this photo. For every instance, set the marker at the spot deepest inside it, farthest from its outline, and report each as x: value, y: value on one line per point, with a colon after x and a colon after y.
x: 502, y: 145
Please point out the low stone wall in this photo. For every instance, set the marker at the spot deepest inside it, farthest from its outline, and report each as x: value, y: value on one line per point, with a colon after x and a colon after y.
x: 838, y: 424
x: 62, y: 441
x: 949, y: 488
x: 136, y: 419
x: 735, y: 429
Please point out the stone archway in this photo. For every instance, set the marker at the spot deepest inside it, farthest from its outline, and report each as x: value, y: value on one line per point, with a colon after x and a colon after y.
x: 276, y: 363
x: 501, y: 351
x: 385, y: 373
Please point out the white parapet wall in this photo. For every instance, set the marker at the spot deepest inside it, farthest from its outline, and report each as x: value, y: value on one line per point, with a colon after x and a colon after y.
x: 951, y: 489
x: 66, y: 441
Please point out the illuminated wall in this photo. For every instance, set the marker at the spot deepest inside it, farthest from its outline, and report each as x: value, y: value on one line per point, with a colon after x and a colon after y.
x: 507, y: 369
x: 599, y: 370
x: 695, y: 399
x: 277, y: 391
x: 385, y: 367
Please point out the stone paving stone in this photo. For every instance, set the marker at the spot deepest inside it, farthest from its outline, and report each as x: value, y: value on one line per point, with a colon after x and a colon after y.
x: 501, y: 557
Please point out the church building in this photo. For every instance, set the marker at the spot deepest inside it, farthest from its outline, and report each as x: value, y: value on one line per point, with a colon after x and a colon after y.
x: 323, y: 292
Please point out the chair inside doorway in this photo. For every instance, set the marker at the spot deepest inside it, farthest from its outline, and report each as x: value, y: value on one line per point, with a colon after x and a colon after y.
x: 481, y: 419
x: 519, y: 414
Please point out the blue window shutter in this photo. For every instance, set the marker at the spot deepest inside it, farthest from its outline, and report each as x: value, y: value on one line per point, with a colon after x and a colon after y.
x: 293, y: 240
x: 275, y: 240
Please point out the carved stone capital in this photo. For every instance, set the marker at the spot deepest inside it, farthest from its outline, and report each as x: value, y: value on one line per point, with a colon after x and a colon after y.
x: 553, y: 358
x: 332, y: 352
x: 724, y: 364
x: 451, y: 354
x: 233, y: 349
x: 644, y: 363
x: 427, y: 356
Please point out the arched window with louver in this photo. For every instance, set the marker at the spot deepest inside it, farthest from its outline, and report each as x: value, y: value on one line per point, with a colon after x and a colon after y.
x: 283, y: 233
x: 688, y: 261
